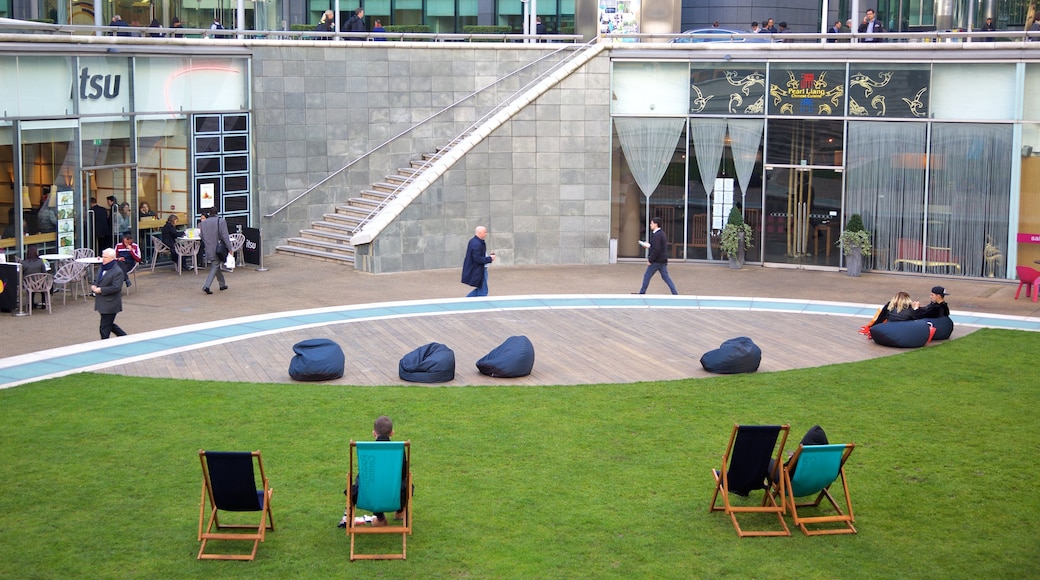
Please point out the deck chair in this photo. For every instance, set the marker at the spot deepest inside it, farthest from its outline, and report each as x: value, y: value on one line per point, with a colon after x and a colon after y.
x: 228, y: 485
x: 812, y: 470
x: 745, y: 468
x: 387, y: 468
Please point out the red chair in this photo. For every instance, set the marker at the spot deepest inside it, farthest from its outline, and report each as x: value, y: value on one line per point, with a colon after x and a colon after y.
x: 1030, y: 278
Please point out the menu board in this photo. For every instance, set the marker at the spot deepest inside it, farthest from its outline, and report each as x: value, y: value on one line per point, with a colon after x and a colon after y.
x: 66, y: 223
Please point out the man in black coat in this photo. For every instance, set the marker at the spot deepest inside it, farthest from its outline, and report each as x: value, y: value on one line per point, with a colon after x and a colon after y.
x: 657, y: 257
x: 474, y: 267
x: 356, y: 22
x: 108, y: 290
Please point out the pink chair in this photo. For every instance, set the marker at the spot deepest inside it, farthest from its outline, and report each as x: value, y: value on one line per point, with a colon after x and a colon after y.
x: 1030, y: 278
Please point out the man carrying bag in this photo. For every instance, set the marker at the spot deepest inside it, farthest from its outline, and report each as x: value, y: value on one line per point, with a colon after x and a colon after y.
x: 217, y: 244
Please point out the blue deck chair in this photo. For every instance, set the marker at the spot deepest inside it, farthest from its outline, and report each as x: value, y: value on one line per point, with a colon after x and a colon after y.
x: 383, y: 471
x: 229, y: 485
x: 819, y: 466
x: 745, y: 468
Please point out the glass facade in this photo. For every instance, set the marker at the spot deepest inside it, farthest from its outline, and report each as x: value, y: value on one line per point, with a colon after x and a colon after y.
x: 933, y: 156
x: 135, y: 129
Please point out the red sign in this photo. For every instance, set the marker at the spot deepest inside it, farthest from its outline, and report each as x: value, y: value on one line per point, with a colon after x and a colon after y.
x: 1029, y: 238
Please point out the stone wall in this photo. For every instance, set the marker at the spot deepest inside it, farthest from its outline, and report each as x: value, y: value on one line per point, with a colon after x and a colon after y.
x: 540, y: 182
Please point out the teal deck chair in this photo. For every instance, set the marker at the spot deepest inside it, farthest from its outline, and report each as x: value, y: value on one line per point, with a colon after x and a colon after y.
x: 383, y: 471
x: 229, y: 485
x: 811, y: 471
x: 746, y: 468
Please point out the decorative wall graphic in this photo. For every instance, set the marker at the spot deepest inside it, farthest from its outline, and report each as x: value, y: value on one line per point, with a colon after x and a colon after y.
x: 817, y: 92
x: 733, y: 90
x: 893, y: 91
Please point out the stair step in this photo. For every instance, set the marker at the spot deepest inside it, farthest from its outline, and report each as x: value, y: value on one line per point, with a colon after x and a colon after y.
x: 342, y: 228
x: 351, y: 213
x: 387, y: 187
x: 316, y: 254
x: 326, y: 236
x: 408, y: 172
x: 374, y: 195
x: 323, y: 246
x: 365, y: 203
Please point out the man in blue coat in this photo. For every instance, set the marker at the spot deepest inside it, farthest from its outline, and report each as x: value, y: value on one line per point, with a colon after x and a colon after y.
x: 474, y: 267
x: 657, y: 257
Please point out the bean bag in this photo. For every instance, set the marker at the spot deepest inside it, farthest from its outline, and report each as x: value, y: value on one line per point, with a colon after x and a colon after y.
x: 317, y: 359
x: 908, y: 334
x: 943, y: 327
x: 736, y: 355
x: 512, y: 358
x: 430, y: 363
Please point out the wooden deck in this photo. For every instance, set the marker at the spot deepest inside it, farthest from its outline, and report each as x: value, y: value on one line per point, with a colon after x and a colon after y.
x: 572, y: 346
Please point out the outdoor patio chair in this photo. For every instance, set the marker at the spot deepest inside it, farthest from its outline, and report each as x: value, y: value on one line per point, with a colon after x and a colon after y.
x: 38, y: 284
x: 237, y: 242
x: 82, y: 253
x: 818, y: 466
x: 380, y: 485
x: 745, y: 468
x: 131, y: 272
x: 1030, y: 279
x: 229, y: 485
x: 160, y: 248
x: 70, y: 273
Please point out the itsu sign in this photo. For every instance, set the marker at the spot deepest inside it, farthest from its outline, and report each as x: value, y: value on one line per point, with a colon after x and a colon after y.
x: 101, y: 85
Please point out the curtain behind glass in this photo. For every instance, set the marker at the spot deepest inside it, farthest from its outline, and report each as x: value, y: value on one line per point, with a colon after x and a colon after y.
x: 970, y: 191
x: 648, y: 145
x: 885, y: 183
x: 709, y: 139
x: 745, y: 135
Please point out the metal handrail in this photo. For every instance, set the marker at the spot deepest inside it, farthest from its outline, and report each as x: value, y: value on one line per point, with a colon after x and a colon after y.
x: 416, y: 126
x: 491, y: 113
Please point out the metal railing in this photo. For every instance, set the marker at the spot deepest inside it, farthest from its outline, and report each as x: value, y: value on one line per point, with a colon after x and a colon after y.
x: 387, y: 142
x: 158, y: 34
x: 757, y: 40
x: 465, y: 132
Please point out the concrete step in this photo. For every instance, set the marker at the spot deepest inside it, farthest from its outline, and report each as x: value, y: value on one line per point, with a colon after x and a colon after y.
x: 336, y: 248
x: 373, y: 194
x: 387, y: 188
x: 363, y: 203
x: 398, y: 179
x: 342, y: 228
x: 343, y: 218
x: 315, y: 255
x: 326, y: 236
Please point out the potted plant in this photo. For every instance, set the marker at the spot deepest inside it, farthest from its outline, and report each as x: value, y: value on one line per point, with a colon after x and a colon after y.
x: 854, y: 242
x: 736, y: 237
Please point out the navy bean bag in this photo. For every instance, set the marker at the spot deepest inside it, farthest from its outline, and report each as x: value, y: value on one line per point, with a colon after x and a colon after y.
x: 736, y: 355
x: 512, y: 358
x: 943, y: 327
x: 908, y: 334
x: 317, y: 359
x: 430, y: 363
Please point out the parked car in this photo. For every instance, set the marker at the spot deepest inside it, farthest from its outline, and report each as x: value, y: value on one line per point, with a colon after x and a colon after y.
x: 720, y: 35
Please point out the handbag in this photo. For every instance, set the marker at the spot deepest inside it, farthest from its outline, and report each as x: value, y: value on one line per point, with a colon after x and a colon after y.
x: 222, y: 251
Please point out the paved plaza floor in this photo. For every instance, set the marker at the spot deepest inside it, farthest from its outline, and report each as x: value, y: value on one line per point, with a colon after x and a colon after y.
x: 585, y: 323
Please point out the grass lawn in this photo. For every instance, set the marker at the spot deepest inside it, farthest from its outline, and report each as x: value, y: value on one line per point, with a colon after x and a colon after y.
x: 102, y: 478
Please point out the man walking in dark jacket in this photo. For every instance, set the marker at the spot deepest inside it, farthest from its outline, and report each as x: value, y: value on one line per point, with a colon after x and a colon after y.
x: 474, y: 267
x: 356, y: 23
x: 108, y: 290
x: 657, y: 257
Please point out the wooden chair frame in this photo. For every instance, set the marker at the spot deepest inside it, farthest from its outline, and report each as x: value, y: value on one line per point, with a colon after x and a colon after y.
x: 258, y: 531
x: 769, y: 503
x: 846, y: 518
x: 404, y: 527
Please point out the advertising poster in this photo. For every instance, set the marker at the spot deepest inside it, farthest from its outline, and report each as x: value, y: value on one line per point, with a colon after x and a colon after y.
x: 619, y: 17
